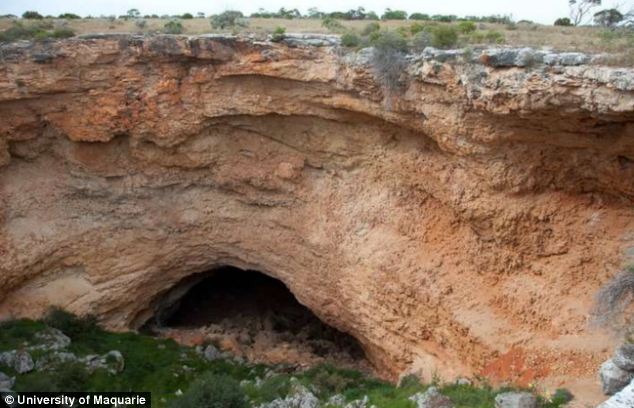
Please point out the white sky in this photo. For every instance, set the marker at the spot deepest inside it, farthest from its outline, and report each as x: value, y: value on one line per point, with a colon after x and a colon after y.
x: 543, y: 11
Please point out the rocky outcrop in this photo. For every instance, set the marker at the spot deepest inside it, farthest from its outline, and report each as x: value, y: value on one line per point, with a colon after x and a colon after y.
x: 622, y: 399
x: 515, y: 400
x: 432, y: 398
x: 459, y: 227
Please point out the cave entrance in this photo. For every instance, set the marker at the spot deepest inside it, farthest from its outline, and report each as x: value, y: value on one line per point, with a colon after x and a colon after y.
x: 251, y: 315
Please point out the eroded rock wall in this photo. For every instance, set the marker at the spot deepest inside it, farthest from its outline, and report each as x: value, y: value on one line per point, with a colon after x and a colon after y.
x: 459, y: 226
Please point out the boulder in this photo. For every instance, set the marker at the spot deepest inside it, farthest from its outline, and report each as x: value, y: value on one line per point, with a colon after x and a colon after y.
x: 51, y: 339
x: 622, y: 399
x: 515, y: 400
x: 300, y: 398
x: 624, y: 357
x: 6, y: 382
x: 112, y: 361
x: 362, y: 403
x: 53, y: 359
x: 432, y: 398
x: 211, y: 353
x: 613, y: 379
x: 20, y: 360
x: 337, y: 400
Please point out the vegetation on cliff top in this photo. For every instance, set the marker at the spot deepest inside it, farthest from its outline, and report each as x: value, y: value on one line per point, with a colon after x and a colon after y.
x: 180, y: 376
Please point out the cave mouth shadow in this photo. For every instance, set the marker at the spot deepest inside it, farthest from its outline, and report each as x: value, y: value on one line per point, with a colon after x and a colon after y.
x: 257, y: 312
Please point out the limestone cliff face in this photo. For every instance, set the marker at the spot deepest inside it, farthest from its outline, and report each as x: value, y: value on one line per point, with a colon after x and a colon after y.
x: 459, y: 226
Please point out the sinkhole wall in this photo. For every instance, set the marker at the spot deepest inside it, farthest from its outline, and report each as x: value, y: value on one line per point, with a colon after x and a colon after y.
x: 462, y: 221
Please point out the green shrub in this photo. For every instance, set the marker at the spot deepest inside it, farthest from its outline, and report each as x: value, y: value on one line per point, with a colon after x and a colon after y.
x: 32, y: 15
x: 390, y: 14
x: 409, y: 381
x: 494, y: 37
x: 421, y: 41
x: 444, y: 36
x: 69, y: 16
x: 417, y: 28
x: 71, y: 325
x: 228, y: 19
x: 350, y: 40
x: 419, y: 16
x: 370, y: 28
x: 187, y: 16
x: 388, y: 58
x: 278, y: 34
x: 63, y: 32
x: 467, y: 27
x: 173, y: 27
x: 332, y: 24
x: 561, y: 396
x: 491, y: 36
x: 564, y: 22
x: 212, y: 391
x: 278, y: 386
x: 68, y: 376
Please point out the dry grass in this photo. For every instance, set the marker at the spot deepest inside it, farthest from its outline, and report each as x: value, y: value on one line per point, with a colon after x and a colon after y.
x: 586, y: 39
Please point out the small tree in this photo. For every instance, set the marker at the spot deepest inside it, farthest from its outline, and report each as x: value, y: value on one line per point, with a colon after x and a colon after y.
x: 579, y: 10
x: 187, y: 16
x: 390, y: 14
x: 563, y: 22
x: 32, y: 15
x: 228, y: 19
x: 69, y: 16
x: 608, y: 17
x: 173, y: 27
x: 314, y: 12
x: 419, y: 16
x: 200, y: 14
x: 133, y: 13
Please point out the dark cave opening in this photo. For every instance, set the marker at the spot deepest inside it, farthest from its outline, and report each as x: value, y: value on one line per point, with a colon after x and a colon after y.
x: 252, y: 315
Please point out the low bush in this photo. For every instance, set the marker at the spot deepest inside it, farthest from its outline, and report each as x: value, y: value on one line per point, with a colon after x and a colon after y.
x: 278, y: 34
x: 173, y: 27
x: 350, y: 40
x: 332, y: 24
x: 388, y: 58
x: 421, y: 41
x: 39, y: 31
x: 278, y: 386
x: 444, y: 36
x: 71, y: 325
x: 228, y: 19
x: 467, y: 27
x: 417, y: 28
x: 489, y: 37
x: 63, y: 32
x: 212, y: 391
x: 371, y: 28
